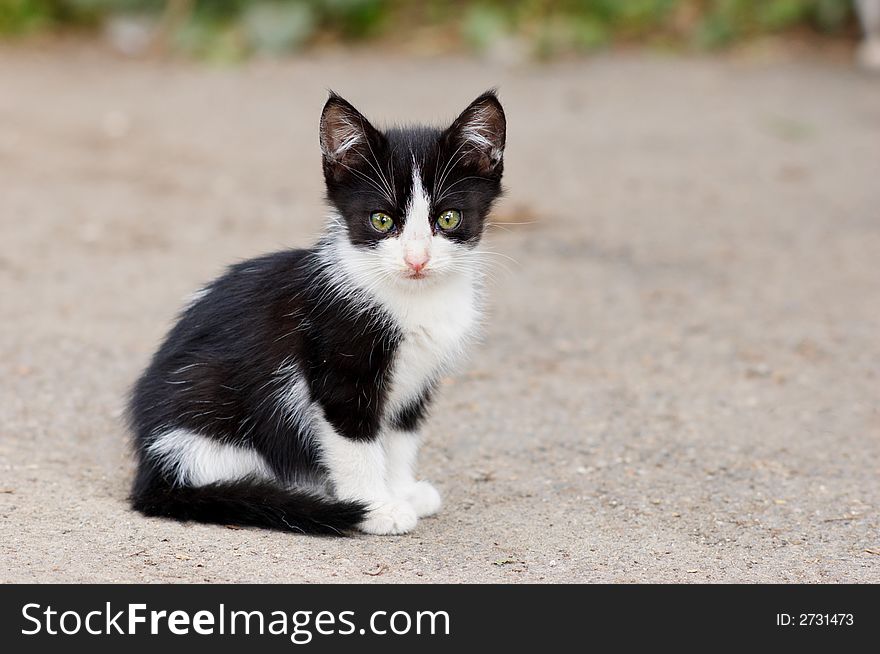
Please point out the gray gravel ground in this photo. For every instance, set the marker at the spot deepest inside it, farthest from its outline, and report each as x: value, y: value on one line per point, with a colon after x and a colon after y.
x: 680, y: 379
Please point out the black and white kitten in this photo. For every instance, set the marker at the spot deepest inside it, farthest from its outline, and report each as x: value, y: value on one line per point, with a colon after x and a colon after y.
x: 290, y: 393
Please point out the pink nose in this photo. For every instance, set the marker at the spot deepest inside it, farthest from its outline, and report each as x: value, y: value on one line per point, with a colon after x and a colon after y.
x: 416, y: 261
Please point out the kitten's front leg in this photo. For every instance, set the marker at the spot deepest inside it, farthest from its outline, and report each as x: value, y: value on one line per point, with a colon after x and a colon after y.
x: 402, y: 449
x: 357, y: 469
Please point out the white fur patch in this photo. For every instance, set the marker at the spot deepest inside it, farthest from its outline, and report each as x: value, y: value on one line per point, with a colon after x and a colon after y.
x: 356, y: 468
x: 437, y: 319
x: 296, y: 401
x: 359, y: 471
x: 431, y: 344
x: 401, y: 450
x: 418, y: 220
x: 195, y: 460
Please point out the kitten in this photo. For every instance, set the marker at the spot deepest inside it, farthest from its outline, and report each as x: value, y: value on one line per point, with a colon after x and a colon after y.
x: 290, y: 393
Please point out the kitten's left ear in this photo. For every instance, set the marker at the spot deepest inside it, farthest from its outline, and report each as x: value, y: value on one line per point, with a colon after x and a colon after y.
x: 481, y: 132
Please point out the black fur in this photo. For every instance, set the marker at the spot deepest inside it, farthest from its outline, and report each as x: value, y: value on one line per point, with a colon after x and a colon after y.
x: 412, y: 415
x: 217, y: 372
x: 248, y: 502
x: 215, y: 375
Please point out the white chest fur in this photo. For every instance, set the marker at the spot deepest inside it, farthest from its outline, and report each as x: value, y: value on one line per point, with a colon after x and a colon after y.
x: 436, y: 319
x: 436, y: 326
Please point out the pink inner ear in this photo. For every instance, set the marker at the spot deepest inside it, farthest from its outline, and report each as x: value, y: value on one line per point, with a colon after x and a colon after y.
x: 344, y: 132
x: 482, y: 128
x: 340, y: 132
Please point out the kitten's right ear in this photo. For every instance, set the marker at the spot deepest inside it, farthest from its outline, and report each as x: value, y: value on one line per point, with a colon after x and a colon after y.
x: 481, y: 132
x: 345, y: 135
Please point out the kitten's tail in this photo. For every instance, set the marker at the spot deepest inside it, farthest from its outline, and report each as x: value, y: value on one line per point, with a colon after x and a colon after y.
x: 251, y: 503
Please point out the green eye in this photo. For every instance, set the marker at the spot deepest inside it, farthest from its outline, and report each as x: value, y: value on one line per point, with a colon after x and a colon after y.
x: 449, y: 219
x: 381, y: 221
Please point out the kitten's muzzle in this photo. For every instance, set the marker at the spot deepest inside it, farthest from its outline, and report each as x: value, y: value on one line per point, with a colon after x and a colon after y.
x: 416, y: 261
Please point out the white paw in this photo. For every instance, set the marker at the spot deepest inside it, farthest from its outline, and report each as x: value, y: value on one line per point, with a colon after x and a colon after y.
x: 424, y: 498
x: 394, y: 517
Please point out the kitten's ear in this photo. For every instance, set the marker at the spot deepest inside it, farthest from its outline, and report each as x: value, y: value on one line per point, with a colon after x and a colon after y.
x: 481, y: 131
x: 345, y: 134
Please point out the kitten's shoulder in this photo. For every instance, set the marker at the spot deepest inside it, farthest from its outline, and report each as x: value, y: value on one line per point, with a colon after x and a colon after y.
x: 282, y: 263
x: 257, y: 279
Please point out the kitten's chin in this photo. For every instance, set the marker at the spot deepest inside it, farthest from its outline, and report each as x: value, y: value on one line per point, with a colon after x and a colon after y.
x: 410, y: 281
x: 421, y: 278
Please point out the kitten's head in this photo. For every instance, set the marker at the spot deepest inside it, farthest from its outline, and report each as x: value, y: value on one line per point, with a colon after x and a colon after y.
x: 412, y: 202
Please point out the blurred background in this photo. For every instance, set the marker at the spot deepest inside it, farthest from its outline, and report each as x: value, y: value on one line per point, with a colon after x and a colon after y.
x: 680, y: 375
x: 229, y: 30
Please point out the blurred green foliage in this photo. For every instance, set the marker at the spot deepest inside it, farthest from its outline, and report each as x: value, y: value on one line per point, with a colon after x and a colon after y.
x: 547, y: 27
